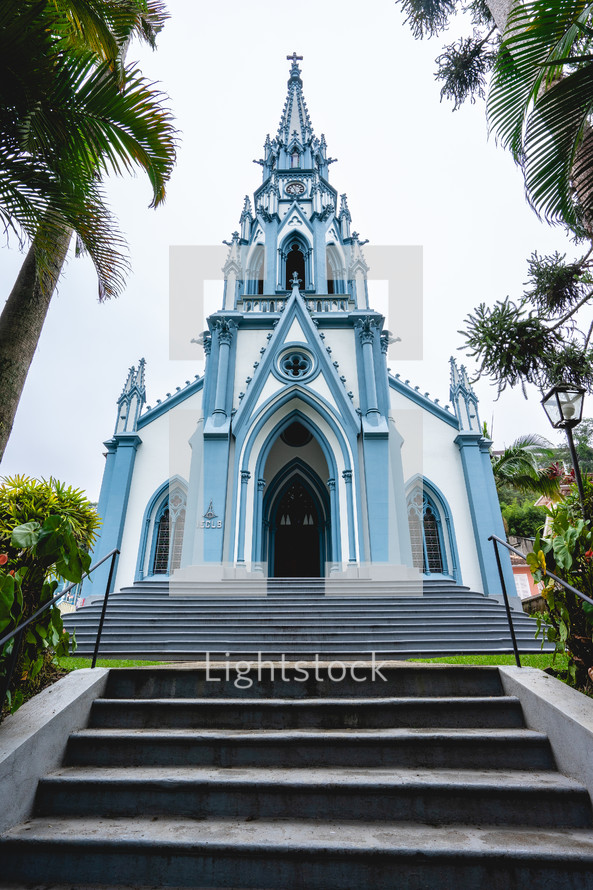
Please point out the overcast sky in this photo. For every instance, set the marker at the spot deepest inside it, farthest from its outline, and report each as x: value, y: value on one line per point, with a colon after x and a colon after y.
x: 414, y: 171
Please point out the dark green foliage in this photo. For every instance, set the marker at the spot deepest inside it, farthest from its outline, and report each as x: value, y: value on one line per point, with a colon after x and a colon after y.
x: 554, y: 285
x: 537, y: 339
x: 463, y: 67
x: 524, y: 521
x: 427, y: 17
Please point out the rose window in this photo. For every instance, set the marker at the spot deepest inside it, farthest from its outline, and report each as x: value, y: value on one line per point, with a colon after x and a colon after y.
x: 295, y: 364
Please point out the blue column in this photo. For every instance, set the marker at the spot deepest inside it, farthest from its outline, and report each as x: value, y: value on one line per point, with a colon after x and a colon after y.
x: 224, y: 355
x: 347, y: 476
x: 485, y: 510
x: 367, y: 338
x: 335, y: 521
x: 245, y: 477
x: 113, y: 503
x: 257, y: 548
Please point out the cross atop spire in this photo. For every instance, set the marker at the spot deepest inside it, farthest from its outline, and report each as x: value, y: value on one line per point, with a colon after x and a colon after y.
x: 295, y: 120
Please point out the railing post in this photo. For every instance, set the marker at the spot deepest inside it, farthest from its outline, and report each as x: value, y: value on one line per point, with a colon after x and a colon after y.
x: 104, y: 609
x: 506, y: 601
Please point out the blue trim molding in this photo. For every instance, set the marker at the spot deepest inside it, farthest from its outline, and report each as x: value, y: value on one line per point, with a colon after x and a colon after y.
x: 113, y: 504
x: 484, y: 509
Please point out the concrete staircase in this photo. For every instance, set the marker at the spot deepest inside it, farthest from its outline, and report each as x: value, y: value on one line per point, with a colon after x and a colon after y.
x: 297, y: 619
x: 428, y: 779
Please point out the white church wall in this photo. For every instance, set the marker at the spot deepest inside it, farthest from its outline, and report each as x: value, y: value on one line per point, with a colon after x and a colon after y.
x: 248, y: 351
x: 429, y: 450
x: 342, y: 346
x: 164, y: 452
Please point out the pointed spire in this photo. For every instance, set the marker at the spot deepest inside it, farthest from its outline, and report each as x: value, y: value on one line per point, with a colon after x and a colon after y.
x: 131, y: 400
x: 295, y: 120
x: 247, y: 211
x: 464, y: 399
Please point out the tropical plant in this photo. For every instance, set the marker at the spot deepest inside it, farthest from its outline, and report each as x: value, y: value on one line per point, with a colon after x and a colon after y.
x: 540, y: 106
x: 567, y: 551
x: 517, y: 467
x: 52, y: 544
x: 70, y: 112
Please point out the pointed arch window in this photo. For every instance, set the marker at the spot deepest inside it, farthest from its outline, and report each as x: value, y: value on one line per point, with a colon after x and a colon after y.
x: 168, y: 531
x: 255, y: 274
x: 297, y: 258
x: 295, y: 159
x: 335, y: 273
x: 426, y: 534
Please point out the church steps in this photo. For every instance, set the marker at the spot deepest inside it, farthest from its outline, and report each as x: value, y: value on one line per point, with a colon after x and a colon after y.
x: 444, y: 797
x: 273, y: 683
x: 515, y: 749
x: 446, y: 619
x: 292, y: 855
x: 323, y: 713
x: 423, y: 777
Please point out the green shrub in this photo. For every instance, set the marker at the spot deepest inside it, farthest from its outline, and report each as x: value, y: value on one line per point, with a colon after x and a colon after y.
x: 46, y: 530
x: 523, y: 520
x: 567, y: 552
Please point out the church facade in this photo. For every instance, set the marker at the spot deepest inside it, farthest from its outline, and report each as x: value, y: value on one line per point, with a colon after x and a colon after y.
x: 298, y: 453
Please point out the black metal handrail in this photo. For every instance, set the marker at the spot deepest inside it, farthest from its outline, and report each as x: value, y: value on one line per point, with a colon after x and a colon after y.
x: 18, y: 631
x: 496, y: 541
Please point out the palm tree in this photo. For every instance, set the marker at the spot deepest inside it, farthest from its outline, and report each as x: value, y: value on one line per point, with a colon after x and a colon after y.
x: 70, y: 111
x: 517, y: 467
x: 540, y: 106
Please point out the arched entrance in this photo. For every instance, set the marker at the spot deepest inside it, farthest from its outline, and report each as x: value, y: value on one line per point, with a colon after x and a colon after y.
x: 296, y: 524
x: 296, y: 531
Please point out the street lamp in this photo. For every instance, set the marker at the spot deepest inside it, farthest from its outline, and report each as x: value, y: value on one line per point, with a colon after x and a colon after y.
x: 564, y: 407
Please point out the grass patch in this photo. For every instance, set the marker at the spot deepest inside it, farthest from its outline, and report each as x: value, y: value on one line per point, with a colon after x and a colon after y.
x: 72, y: 663
x: 541, y: 660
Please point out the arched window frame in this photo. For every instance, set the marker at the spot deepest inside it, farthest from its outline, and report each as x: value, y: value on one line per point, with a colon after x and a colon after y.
x: 256, y: 271
x: 335, y: 271
x: 307, y: 251
x: 171, y: 496
x: 434, y: 500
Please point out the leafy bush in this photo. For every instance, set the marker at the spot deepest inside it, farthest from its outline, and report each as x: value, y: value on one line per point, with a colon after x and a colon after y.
x: 568, y: 553
x: 46, y: 529
x: 523, y: 520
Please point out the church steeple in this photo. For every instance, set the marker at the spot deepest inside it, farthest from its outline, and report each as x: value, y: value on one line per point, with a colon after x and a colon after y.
x: 294, y: 224
x: 295, y: 123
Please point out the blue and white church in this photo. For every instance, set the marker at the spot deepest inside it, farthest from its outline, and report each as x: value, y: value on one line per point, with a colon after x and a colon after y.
x: 298, y: 453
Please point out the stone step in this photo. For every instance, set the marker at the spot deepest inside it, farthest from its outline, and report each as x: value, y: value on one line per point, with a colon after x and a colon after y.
x: 475, y: 797
x: 445, y: 748
x: 200, y: 639
x: 295, y: 854
x: 311, y: 680
x: 319, y: 713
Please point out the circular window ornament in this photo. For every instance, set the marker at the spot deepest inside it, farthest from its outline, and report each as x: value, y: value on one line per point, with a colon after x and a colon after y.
x: 295, y: 364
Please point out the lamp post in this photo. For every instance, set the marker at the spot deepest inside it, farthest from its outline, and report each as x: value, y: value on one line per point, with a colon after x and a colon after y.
x: 564, y: 407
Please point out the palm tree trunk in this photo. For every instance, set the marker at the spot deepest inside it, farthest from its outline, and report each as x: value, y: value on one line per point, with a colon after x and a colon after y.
x: 21, y: 323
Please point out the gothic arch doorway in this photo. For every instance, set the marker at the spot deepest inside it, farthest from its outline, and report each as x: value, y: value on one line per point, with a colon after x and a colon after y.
x: 296, y: 528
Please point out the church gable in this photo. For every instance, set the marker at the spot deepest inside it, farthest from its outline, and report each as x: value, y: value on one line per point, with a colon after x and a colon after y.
x: 294, y: 357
